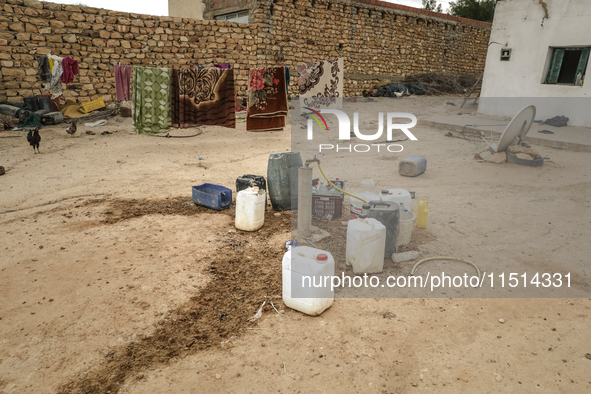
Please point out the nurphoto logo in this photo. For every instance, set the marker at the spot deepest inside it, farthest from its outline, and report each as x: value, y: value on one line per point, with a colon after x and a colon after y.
x: 345, y: 130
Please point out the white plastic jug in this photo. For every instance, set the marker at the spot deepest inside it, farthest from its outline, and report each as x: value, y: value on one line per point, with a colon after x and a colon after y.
x: 305, y: 288
x: 398, y: 196
x: 368, y: 185
x: 366, y: 242
x: 250, y: 209
x: 357, y: 204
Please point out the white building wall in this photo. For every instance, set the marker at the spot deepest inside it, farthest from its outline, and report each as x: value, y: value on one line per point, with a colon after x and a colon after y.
x: 192, y: 9
x: 521, y: 25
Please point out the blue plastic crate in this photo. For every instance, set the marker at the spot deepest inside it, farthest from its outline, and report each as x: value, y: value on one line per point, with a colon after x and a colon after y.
x: 212, y: 196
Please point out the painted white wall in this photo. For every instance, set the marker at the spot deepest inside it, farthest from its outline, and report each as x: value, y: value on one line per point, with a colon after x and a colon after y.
x: 192, y: 9
x: 521, y: 26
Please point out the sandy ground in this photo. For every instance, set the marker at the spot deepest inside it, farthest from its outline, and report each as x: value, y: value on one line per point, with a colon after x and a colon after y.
x: 82, y: 277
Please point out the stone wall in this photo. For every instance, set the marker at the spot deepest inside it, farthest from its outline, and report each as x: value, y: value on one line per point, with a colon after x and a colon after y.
x: 377, y: 39
x: 98, y: 38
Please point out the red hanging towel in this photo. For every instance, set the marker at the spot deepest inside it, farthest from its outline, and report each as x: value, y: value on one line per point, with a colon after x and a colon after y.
x: 70, y: 67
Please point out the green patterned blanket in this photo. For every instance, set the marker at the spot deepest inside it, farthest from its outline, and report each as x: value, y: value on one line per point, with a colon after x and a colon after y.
x: 151, y: 99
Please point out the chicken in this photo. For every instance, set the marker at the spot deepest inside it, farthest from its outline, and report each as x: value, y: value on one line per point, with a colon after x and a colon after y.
x: 398, y: 94
x: 71, y: 129
x: 34, y: 138
x: 6, y: 125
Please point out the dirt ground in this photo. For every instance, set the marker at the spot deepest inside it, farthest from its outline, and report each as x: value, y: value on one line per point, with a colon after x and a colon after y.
x: 112, y: 280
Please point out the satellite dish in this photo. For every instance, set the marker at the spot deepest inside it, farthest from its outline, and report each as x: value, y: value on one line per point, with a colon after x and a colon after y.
x: 518, y: 127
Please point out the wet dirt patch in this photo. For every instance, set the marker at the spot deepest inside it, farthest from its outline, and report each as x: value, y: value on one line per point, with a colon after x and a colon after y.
x: 244, y: 273
x: 125, y: 209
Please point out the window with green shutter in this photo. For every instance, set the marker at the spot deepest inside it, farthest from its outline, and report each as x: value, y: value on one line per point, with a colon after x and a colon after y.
x: 568, y: 66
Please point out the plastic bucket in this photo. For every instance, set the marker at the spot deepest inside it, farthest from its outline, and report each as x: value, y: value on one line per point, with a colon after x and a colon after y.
x: 406, y: 227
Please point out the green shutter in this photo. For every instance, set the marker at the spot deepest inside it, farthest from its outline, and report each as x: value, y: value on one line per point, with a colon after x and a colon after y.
x: 555, y: 65
x: 583, y: 62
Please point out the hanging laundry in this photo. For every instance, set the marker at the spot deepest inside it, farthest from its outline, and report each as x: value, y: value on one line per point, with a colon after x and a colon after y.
x: 203, y: 97
x: 321, y: 83
x: 44, y: 69
x: 223, y: 66
x: 267, y: 99
x: 151, y: 99
x: 70, y: 68
x: 122, y: 81
x: 55, y: 85
x: 287, y: 78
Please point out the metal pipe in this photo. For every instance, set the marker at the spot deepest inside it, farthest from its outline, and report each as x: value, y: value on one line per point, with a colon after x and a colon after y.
x: 305, y: 201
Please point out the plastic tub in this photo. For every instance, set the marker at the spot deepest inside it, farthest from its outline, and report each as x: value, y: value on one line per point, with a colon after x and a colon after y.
x: 212, y: 196
x: 406, y: 225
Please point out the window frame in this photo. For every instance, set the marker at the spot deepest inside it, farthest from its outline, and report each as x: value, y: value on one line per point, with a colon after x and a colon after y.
x: 555, y: 64
x: 235, y: 15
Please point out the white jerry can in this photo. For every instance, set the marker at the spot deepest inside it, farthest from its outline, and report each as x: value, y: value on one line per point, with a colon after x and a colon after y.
x: 307, y: 276
x: 250, y: 209
x: 366, y: 242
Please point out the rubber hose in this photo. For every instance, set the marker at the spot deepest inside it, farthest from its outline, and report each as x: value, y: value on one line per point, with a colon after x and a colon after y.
x: 412, y: 272
x: 341, y: 190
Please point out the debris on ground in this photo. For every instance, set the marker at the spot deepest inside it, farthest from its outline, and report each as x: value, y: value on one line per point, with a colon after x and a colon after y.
x: 515, y: 150
x: 557, y: 121
x: 498, y: 158
x: 545, y: 132
x: 484, y: 154
x: 442, y: 84
x: 392, y: 90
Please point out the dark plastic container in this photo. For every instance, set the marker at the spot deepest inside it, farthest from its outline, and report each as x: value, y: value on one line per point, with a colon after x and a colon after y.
x: 212, y: 196
x: 31, y: 102
x: 282, y: 180
x: 246, y: 181
x: 52, y: 118
x: 387, y: 213
x: 23, y: 114
x: 45, y: 102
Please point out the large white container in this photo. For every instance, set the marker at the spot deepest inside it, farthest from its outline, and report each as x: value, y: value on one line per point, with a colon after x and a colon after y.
x: 250, y: 209
x: 357, y: 204
x: 396, y: 195
x: 366, y: 242
x: 304, y: 273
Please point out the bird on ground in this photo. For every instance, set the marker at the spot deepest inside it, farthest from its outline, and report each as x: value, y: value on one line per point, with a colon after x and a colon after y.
x: 398, y: 94
x: 34, y: 138
x: 6, y: 125
x: 71, y: 129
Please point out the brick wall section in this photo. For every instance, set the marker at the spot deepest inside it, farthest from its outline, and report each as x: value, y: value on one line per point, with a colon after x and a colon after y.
x: 377, y: 38
x: 98, y: 38
x: 380, y: 38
